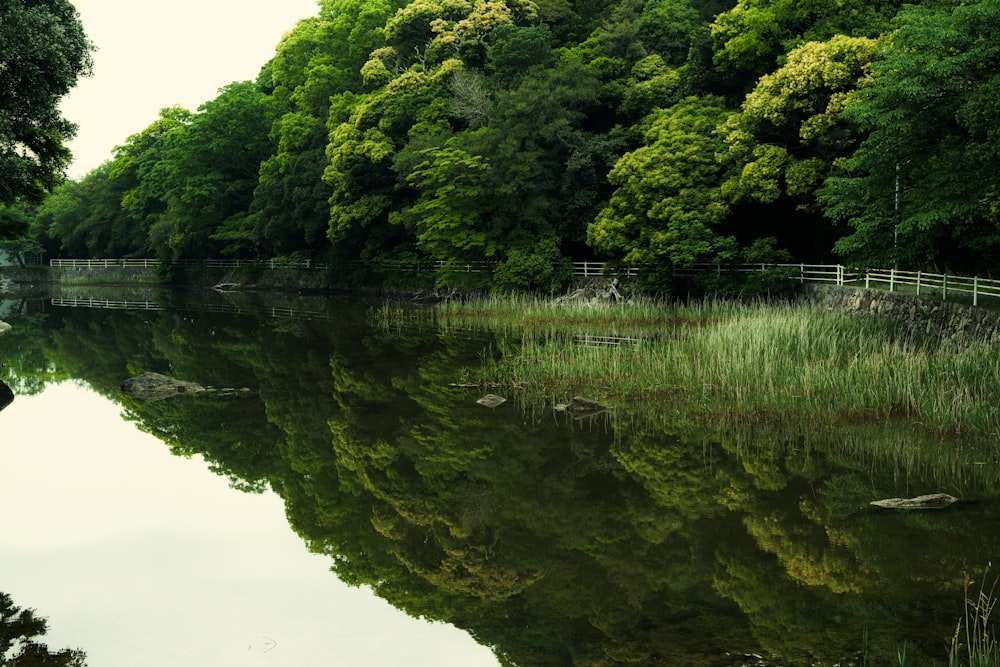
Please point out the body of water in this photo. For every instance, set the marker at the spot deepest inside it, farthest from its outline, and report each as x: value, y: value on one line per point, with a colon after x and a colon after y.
x: 334, y: 496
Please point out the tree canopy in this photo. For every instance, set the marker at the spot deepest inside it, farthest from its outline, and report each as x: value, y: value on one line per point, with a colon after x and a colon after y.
x: 525, y: 134
x: 43, y: 51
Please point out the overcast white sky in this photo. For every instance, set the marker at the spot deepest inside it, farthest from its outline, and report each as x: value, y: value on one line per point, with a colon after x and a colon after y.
x: 154, y: 54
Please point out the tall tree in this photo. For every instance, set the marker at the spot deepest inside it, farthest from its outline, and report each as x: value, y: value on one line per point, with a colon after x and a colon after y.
x: 668, y: 203
x: 139, y: 165
x: 209, y: 173
x: 785, y: 139
x: 86, y: 218
x: 922, y: 190
x: 43, y: 51
x: 316, y: 71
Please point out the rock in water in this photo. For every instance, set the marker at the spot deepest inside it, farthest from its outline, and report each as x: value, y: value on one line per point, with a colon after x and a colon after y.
x: 582, y: 406
x: 932, y: 501
x: 491, y: 400
x: 156, y: 387
x: 4, y: 327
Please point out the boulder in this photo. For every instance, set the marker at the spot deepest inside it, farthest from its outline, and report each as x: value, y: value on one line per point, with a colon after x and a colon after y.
x: 4, y: 327
x: 931, y: 501
x: 156, y: 387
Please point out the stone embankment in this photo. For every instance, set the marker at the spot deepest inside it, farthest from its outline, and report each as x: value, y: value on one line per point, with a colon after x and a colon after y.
x: 952, y: 325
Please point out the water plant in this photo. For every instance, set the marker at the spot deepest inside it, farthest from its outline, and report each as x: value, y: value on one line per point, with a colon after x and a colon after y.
x: 979, y: 648
x: 741, y: 363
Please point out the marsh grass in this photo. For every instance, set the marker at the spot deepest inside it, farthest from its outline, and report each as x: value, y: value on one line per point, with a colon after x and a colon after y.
x: 533, y: 315
x: 735, y: 364
x: 974, y: 644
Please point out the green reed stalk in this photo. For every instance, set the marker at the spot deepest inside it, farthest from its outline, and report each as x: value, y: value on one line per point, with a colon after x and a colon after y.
x: 748, y: 363
x: 981, y: 649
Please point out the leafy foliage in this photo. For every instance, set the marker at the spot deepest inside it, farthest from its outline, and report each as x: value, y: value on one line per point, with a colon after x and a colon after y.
x: 660, y: 132
x: 668, y: 204
x: 920, y: 189
x: 44, y: 52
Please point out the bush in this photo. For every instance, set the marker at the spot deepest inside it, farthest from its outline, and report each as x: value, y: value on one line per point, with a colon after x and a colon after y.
x: 538, y: 269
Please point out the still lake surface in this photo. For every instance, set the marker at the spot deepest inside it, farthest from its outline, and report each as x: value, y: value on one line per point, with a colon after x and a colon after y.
x: 203, y: 528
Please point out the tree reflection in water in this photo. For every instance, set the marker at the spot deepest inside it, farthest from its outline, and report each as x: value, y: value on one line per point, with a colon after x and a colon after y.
x: 626, y: 539
x: 21, y: 631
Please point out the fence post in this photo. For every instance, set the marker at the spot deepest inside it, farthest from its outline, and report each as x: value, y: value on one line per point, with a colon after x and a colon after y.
x: 868, y: 276
x: 975, y: 290
x: 892, y: 280
x: 918, y: 283
x: 944, y: 287
x: 802, y: 273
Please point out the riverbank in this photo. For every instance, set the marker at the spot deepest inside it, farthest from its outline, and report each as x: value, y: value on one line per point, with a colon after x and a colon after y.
x: 946, y: 323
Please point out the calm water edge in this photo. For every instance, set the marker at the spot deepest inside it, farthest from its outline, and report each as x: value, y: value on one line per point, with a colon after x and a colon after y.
x: 203, y: 527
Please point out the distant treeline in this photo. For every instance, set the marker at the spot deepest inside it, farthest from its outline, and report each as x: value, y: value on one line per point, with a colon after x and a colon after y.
x: 651, y: 132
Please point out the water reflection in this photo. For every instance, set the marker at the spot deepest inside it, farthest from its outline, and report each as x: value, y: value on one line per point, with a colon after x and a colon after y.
x: 623, y: 538
x: 21, y: 634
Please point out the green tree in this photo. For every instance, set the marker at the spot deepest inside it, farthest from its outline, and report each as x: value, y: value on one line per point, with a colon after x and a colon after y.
x: 785, y: 139
x: 922, y: 189
x: 43, y: 51
x: 668, y: 203
x: 209, y: 172
x: 140, y: 167
x: 86, y: 218
x: 14, y: 222
x: 791, y: 127
x: 752, y: 37
x: 316, y: 69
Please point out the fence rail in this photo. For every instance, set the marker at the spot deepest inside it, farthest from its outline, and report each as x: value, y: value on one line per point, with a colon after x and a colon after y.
x: 102, y: 263
x: 112, y: 304
x: 918, y: 282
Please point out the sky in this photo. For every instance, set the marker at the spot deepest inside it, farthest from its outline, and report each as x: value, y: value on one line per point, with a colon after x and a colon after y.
x: 154, y: 54
x: 140, y: 557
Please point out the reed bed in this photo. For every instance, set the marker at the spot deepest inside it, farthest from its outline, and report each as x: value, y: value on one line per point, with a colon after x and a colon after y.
x: 517, y: 314
x: 742, y: 363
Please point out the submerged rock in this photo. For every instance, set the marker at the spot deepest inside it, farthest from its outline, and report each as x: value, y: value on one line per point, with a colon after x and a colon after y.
x: 582, y: 406
x: 931, y: 501
x: 491, y: 400
x: 156, y: 387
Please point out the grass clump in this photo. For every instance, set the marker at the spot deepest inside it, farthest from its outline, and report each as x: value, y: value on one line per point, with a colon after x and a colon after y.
x: 741, y: 362
x: 979, y: 648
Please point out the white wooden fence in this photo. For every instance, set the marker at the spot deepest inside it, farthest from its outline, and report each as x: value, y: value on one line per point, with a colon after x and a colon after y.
x: 208, y: 263
x: 917, y: 282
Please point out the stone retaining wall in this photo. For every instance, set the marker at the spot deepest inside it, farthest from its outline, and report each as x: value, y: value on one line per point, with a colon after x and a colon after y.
x: 951, y: 324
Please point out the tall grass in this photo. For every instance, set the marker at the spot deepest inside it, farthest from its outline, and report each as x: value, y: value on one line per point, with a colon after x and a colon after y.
x: 742, y: 363
x: 979, y: 648
x: 516, y: 314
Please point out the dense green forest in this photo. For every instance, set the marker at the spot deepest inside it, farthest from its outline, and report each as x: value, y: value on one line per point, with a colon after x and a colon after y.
x: 529, y: 133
